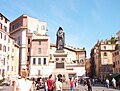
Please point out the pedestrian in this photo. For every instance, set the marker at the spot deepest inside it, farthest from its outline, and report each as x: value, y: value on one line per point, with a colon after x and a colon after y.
x: 50, y: 83
x: 114, y: 82
x: 23, y: 84
x: 107, y: 83
x: 58, y: 85
x: 93, y: 81
x: 75, y: 82
x: 89, y: 85
x: 71, y: 85
x: 45, y: 85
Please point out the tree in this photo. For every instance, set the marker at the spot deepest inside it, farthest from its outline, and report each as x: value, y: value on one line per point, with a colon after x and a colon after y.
x: 113, y: 40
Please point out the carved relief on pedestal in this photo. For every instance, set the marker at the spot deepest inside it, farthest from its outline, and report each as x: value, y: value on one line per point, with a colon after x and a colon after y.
x: 60, y: 63
x: 60, y: 60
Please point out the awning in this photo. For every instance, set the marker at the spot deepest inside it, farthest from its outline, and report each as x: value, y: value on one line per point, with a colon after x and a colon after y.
x: 114, y: 75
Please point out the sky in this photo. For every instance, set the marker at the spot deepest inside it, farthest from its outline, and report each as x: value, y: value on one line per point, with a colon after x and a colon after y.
x: 83, y: 21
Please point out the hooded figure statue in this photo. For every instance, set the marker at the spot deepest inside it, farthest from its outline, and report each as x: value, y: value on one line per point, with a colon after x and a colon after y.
x: 60, y: 39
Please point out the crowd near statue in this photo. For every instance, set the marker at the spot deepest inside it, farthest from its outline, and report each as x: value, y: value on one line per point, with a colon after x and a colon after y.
x: 60, y: 39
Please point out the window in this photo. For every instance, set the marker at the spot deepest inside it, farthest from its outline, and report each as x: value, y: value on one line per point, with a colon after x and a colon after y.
x: 18, y: 40
x: 8, y: 48
x: 8, y: 40
x: 7, y: 68
x: 4, y: 61
x: 1, y: 17
x: 39, y: 61
x: 28, y: 49
x: 28, y: 41
x: 1, y: 35
x: 34, y: 61
x: 50, y: 56
x: 39, y: 50
x: 44, y: 61
x: 12, y: 68
x: 4, y: 37
x: 5, y: 28
x: 4, y: 48
x: 42, y: 27
x: 39, y: 72
x: 105, y: 54
x: 28, y: 58
x: 113, y: 64
x: 104, y: 47
x: 8, y: 56
x: 39, y: 42
x: 0, y: 25
x: 5, y: 20
x: 0, y: 46
x: 12, y: 50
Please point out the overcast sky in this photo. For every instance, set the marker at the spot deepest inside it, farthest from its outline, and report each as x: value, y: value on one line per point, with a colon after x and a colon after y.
x: 83, y: 21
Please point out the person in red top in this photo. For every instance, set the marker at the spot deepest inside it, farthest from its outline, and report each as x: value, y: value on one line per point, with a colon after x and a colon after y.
x: 50, y: 83
x: 71, y: 85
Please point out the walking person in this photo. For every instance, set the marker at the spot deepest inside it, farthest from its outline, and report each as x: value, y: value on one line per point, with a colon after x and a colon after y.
x: 107, y: 83
x: 114, y: 82
x: 23, y: 84
x: 45, y: 85
x: 58, y: 85
x: 50, y: 83
x: 89, y: 85
x: 75, y: 82
x: 71, y: 85
x: 93, y: 81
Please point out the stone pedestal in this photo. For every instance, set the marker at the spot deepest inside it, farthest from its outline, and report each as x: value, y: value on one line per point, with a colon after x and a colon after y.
x: 60, y: 63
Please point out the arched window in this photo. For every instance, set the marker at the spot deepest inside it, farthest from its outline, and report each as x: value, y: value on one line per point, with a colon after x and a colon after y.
x: 105, y: 54
x: 104, y: 47
x: 4, y: 48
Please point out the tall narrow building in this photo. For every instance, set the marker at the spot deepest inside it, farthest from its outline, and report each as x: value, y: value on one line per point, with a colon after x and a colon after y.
x: 9, y: 50
x: 31, y: 35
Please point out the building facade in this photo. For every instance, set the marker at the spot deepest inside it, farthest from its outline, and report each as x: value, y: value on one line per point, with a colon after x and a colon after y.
x: 116, y: 56
x: 102, y: 57
x: 39, y: 55
x: 87, y: 67
x: 74, y: 63
x: 31, y: 35
x: 9, y: 50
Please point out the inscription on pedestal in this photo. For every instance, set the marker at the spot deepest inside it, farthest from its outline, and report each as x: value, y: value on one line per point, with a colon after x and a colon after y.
x: 60, y: 66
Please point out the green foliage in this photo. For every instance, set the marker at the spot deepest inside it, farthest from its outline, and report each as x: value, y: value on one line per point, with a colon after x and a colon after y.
x: 113, y: 40
x: 83, y: 48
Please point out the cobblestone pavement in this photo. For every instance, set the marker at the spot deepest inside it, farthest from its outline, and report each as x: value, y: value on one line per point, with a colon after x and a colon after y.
x: 97, y: 88
x: 67, y: 88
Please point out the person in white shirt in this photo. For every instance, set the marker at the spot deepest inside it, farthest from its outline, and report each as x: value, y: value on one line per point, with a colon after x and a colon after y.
x: 23, y: 84
x: 114, y: 82
x: 58, y: 85
x: 107, y: 83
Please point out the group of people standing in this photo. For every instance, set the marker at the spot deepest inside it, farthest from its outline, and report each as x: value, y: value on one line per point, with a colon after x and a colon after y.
x: 51, y: 85
x: 23, y: 84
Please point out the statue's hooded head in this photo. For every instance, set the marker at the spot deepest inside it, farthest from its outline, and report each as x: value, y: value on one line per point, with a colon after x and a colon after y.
x: 60, y: 28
